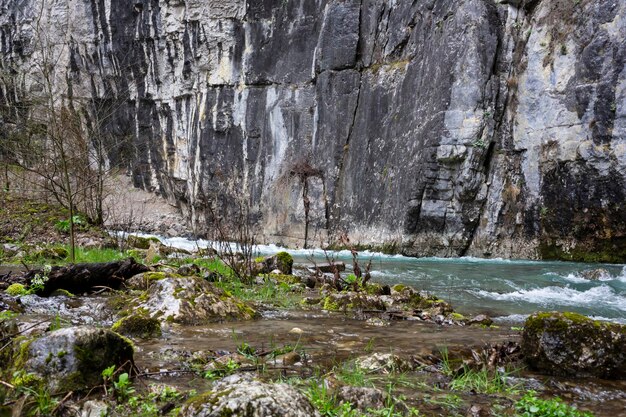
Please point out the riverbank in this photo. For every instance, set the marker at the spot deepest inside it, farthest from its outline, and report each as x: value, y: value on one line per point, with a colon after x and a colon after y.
x: 399, y: 352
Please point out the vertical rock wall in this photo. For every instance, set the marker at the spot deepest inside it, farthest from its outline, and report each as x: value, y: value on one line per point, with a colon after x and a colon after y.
x: 432, y: 127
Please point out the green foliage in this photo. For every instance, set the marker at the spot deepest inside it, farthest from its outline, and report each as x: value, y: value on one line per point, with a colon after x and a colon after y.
x: 7, y: 315
x: 531, y: 406
x: 278, y: 294
x: 228, y: 368
x: 123, y: 387
x: 44, y: 403
x: 150, y: 405
x: 107, y: 373
x: 99, y: 255
x: 58, y: 323
x: 38, y: 282
x: 63, y: 226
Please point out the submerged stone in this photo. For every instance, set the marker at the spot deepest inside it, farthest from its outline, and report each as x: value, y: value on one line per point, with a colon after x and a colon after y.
x: 569, y: 344
x: 244, y: 396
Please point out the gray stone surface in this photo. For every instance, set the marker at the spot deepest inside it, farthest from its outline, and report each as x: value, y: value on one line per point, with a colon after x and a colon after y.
x: 444, y: 127
x: 74, y: 357
x: 243, y: 396
x: 192, y: 301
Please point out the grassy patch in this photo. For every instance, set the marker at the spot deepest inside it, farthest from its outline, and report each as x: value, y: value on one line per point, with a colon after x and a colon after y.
x: 278, y: 295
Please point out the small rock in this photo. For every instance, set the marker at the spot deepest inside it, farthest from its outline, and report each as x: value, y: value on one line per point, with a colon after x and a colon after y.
x: 480, y: 319
x: 94, y: 408
x: 281, y: 261
x: 595, y: 274
x: 189, y: 270
x: 361, y: 398
x: 377, y: 322
x: 382, y: 363
x: 331, y: 267
x: 138, y: 325
x: 478, y: 411
x: 310, y: 301
x: 243, y: 396
x: 289, y: 358
x: 139, y: 242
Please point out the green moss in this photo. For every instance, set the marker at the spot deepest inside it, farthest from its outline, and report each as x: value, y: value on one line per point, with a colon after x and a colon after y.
x: 558, y: 322
x: 457, y: 316
x: 62, y: 292
x: 329, y: 304
x: 153, y: 276
x: 605, y: 251
x: 141, y: 242
x: 15, y: 290
x: 284, y: 261
x: 289, y: 279
x: 22, y: 353
x: 374, y: 289
x: 399, y: 287
x: 25, y: 379
x: 138, y: 325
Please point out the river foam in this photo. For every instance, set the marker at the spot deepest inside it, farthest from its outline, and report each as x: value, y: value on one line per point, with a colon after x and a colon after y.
x: 561, y: 296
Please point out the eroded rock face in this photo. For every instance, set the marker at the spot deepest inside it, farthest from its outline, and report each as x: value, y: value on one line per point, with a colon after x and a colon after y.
x: 74, y: 358
x: 192, y: 300
x: 568, y: 344
x: 438, y: 127
x: 243, y: 396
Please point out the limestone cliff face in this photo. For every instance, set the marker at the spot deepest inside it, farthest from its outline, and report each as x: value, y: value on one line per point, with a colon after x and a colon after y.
x: 434, y: 127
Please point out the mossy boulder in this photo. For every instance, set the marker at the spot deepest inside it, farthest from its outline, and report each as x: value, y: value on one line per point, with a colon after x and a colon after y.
x: 244, y: 396
x: 52, y: 253
x: 406, y: 298
x: 287, y: 279
x: 138, y: 324
x: 351, y: 300
x: 73, y: 358
x: 569, y: 344
x: 139, y: 242
x: 282, y: 261
x: 192, y: 301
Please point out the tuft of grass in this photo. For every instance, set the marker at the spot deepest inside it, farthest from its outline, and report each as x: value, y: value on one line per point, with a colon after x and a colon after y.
x: 483, y: 381
x: 98, y: 255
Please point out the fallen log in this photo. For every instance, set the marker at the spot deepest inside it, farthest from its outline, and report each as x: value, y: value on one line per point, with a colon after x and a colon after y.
x: 79, y: 278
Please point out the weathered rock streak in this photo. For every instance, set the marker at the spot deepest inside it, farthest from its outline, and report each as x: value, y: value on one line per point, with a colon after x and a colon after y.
x: 435, y: 127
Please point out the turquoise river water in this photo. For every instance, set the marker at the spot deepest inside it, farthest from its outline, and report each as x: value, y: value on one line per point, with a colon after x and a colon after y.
x: 507, y: 290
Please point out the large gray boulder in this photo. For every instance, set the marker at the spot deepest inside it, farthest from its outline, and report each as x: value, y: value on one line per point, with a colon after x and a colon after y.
x: 73, y: 358
x: 568, y: 344
x: 192, y: 300
x: 244, y: 396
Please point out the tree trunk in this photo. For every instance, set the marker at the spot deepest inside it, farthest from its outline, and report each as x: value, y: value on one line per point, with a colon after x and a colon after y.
x: 79, y: 278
